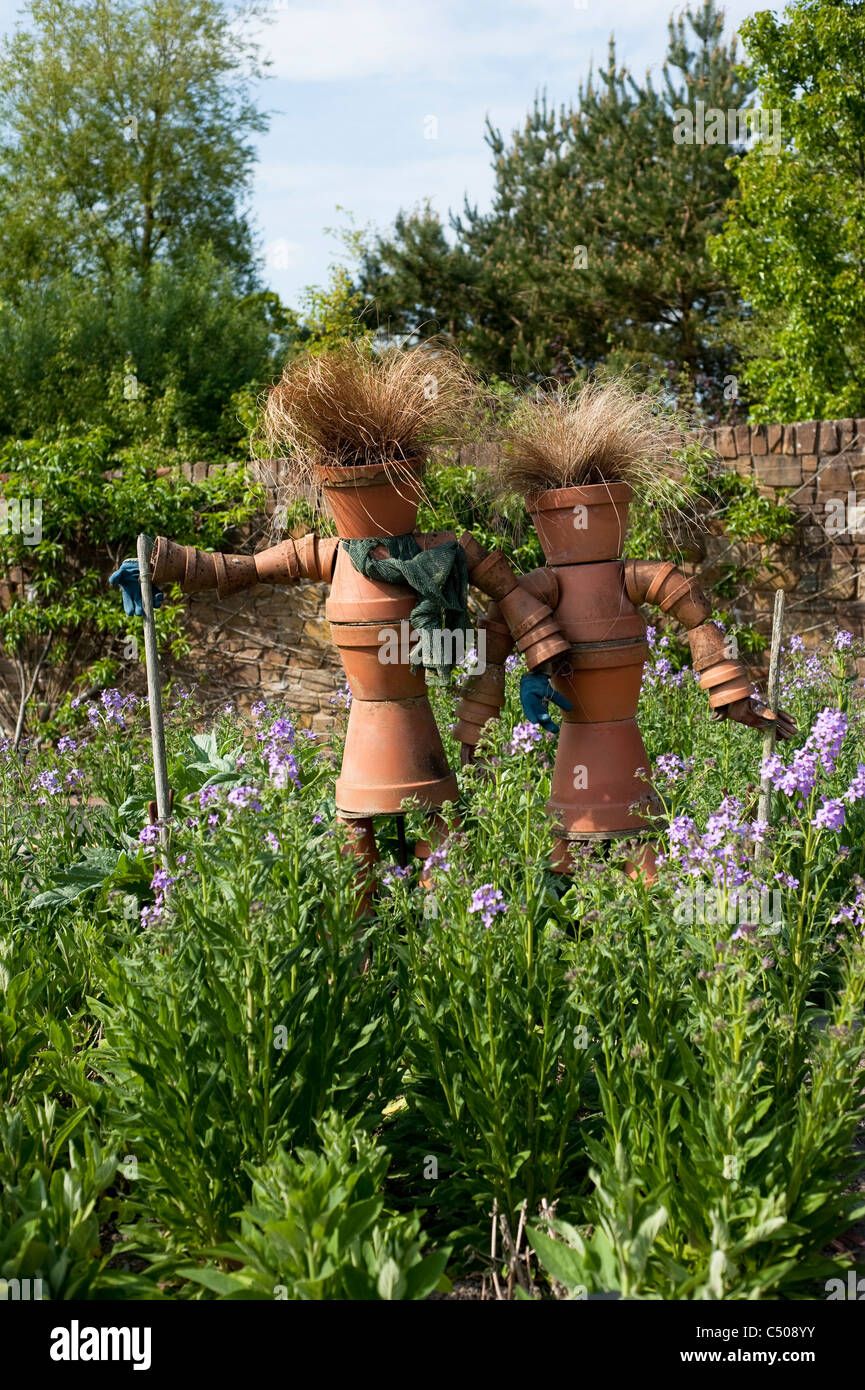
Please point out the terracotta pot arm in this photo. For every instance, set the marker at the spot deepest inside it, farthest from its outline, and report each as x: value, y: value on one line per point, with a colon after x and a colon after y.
x: 194, y: 570
x: 197, y: 570
x: 661, y: 583
x: 529, y: 618
x: 724, y: 678
x: 312, y: 557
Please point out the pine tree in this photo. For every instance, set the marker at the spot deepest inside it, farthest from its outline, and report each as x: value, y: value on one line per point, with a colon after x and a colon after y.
x: 594, y: 249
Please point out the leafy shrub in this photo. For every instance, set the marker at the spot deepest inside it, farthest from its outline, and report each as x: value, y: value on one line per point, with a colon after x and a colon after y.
x: 316, y: 1229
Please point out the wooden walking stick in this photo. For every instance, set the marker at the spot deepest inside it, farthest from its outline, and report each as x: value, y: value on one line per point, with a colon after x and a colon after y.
x: 764, y: 807
x: 154, y: 689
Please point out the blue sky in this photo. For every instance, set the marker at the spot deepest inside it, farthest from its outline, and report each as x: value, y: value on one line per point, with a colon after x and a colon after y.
x: 379, y: 104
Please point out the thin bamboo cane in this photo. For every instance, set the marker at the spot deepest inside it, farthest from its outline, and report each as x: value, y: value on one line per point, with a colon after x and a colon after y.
x: 764, y: 809
x: 154, y: 689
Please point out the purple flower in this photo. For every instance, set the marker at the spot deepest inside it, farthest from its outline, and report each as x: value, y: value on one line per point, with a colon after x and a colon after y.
x: 93, y: 716
x: 162, y: 881
x: 258, y: 709
x: 281, y: 762
x: 317, y: 818
x: 272, y: 841
x: 393, y: 873
x: 524, y: 737
x: 49, y: 781
x: 245, y: 798
x: 796, y: 643
x: 821, y: 747
x: 488, y: 901
x: 342, y: 697
x: 73, y: 777
x: 66, y: 744
x: 672, y: 767
x: 856, y: 789
x: 854, y: 912
x: 112, y: 703
x: 842, y: 640
x: 149, y: 837
x: 438, y: 859
x: 512, y: 662
x: 651, y: 633
x: 206, y: 796
x: 828, y: 732
x: 830, y: 815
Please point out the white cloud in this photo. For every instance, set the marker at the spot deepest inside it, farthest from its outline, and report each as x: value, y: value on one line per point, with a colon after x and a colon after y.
x: 343, y: 40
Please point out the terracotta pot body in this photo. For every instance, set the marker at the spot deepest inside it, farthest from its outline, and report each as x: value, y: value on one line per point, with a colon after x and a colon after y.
x: 600, y: 789
x: 596, y: 779
x: 602, y: 680
x: 373, y: 500
x: 393, y: 751
x: 376, y: 662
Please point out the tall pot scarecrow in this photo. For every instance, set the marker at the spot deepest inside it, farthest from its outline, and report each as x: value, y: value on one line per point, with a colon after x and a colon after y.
x: 355, y: 424
x: 578, y: 460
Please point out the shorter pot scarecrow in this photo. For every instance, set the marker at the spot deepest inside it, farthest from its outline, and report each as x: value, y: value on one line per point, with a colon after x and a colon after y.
x: 354, y: 423
x: 577, y: 460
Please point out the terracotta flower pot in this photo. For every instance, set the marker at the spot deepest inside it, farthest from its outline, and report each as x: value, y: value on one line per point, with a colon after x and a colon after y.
x: 593, y: 605
x: 577, y: 525
x: 375, y: 499
x: 595, y: 781
x: 393, y: 751
x: 355, y: 599
x: 376, y: 663
x: 601, y: 682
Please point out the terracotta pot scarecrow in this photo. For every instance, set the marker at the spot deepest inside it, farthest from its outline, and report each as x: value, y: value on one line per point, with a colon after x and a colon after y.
x: 393, y: 592
x: 599, y: 788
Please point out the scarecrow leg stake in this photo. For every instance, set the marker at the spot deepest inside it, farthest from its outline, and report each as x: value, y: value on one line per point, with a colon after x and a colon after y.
x: 764, y: 807
x: 154, y: 690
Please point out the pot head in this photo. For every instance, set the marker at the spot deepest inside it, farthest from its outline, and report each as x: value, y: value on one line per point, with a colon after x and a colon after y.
x: 581, y: 525
x: 374, y: 499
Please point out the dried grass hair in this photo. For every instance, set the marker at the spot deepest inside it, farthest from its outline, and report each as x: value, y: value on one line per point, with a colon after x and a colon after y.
x: 596, y: 432
x: 353, y: 405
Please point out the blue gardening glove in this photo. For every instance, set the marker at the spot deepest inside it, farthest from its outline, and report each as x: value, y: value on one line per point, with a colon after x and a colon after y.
x: 535, y: 691
x: 128, y: 580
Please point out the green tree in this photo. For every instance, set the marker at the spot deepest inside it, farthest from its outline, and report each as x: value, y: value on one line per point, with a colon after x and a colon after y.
x: 795, y: 239
x: 595, y: 246
x: 126, y: 150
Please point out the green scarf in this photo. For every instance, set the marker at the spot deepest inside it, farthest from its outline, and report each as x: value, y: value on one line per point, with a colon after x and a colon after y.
x: 439, y: 577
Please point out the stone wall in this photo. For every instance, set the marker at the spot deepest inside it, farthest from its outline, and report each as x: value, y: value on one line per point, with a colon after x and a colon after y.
x: 818, y: 468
